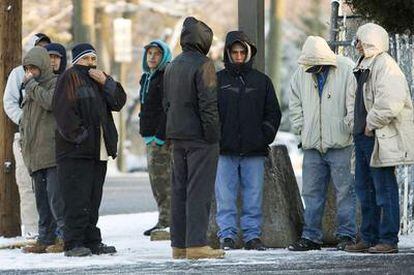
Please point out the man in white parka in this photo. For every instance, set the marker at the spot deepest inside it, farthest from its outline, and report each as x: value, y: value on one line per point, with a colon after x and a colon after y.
x: 321, y: 106
x: 383, y: 134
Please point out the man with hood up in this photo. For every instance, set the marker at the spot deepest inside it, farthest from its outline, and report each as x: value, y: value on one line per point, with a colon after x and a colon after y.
x: 85, y: 138
x: 250, y: 117
x: 193, y: 127
x: 383, y: 135
x: 321, y: 107
x: 156, y: 56
x: 57, y: 54
x: 37, y: 129
x: 12, y: 99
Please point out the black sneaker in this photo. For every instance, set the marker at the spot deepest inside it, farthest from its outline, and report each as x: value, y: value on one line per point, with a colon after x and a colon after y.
x: 101, y: 248
x: 304, y: 245
x: 78, y: 251
x: 343, y: 242
x: 254, y: 244
x: 227, y: 244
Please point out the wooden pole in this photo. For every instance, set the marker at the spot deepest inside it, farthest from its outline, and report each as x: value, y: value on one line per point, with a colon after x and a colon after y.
x: 83, y: 21
x: 10, y: 57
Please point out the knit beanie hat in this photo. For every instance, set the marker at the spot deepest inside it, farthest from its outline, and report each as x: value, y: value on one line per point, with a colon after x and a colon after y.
x: 80, y: 50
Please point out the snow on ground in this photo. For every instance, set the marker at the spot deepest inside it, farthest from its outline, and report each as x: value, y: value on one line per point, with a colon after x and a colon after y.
x: 125, y: 232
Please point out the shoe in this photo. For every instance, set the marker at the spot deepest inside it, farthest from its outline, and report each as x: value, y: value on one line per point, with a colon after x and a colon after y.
x: 204, y: 252
x: 359, y: 247
x: 179, y: 253
x: 255, y: 244
x: 304, y: 245
x: 35, y: 248
x: 344, y: 241
x: 78, y: 251
x: 383, y: 248
x: 160, y: 234
x: 148, y: 232
x: 101, y: 248
x: 227, y: 244
x: 57, y: 247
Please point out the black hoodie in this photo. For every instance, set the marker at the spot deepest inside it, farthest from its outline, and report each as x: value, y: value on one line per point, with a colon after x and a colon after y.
x: 190, y: 84
x: 248, y: 107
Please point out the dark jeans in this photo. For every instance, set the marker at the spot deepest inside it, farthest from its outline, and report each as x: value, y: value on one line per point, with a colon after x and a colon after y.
x: 45, y: 182
x: 193, y: 176
x: 81, y: 182
x: 377, y: 191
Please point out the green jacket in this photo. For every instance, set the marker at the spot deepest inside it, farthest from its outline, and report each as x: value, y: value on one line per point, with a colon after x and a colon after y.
x: 37, y: 126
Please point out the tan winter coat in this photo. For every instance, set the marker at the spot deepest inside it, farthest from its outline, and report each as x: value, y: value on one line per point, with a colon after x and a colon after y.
x: 387, y: 100
x: 322, y: 122
x: 37, y: 126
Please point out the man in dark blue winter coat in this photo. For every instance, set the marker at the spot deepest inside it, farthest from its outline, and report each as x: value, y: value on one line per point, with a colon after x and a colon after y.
x: 250, y: 117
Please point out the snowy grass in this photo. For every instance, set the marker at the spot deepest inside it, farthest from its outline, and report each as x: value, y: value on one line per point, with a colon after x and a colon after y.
x: 125, y: 232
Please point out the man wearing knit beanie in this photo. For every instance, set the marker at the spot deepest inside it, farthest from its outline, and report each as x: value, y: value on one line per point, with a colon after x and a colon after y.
x: 86, y: 137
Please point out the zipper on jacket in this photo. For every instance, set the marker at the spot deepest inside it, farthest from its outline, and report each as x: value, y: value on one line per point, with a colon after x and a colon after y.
x: 238, y: 114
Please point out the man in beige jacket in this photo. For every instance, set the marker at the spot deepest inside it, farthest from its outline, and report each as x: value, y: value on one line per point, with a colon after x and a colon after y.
x: 383, y: 134
x: 321, y: 106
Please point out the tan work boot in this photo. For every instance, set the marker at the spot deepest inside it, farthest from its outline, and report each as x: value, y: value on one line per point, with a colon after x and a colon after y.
x: 34, y: 248
x: 55, y: 248
x: 162, y: 234
x: 204, y: 252
x: 359, y: 247
x: 178, y: 253
x: 383, y: 248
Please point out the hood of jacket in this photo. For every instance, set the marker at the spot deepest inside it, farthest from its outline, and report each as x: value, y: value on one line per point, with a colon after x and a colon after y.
x: 58, y: 49
x: 316, y: 51
x: 39, y: 57
x: 166, y: 56
x: 374, y: 39
x: 196, y: 36
x: 239, y: 36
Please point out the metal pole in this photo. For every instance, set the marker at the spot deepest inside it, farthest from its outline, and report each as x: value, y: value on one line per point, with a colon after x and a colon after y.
x: 251, y: 21
x: 334, y: 24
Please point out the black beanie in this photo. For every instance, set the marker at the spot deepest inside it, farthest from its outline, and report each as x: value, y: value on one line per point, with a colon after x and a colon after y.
x: 81, y: 50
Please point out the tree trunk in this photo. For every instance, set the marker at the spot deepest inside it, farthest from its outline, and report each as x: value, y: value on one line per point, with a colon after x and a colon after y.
x: 10, y: 57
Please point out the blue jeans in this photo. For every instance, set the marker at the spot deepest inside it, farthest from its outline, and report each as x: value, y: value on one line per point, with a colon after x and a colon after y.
x: 318, y: 169
x: 234, y: 172
x: 377, y: 190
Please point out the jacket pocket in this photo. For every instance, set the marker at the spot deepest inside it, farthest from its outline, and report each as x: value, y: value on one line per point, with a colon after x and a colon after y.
x: 388, y: 143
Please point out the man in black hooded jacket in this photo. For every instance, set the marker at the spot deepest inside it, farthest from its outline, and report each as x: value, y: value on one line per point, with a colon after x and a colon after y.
x: 86, y: 136
x: 250, y: 117
x: 193, y: 127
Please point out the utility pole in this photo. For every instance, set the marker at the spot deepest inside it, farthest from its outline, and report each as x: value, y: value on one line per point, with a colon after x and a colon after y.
x: 10, y: 57
x: 274, y: 44
x: 251, y: 21
x: 83, y: 21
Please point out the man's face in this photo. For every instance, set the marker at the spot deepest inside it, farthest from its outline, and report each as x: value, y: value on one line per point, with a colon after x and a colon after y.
x: 35, y: 71
x: 359, y: 47
x: 87, y: 60
x: 238, y: 53
x: 55, y: 61
x: 154, y: 56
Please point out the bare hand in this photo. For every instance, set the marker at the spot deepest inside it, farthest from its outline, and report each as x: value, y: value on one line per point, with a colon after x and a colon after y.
x: 368, y: 132
x: 98, y: 76
x: 27, y: 76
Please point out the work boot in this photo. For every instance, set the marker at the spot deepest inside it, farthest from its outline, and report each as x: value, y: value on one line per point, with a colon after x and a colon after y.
x: 78, y: 251
x: 160, y: 234
x: 35, y: 248
x: 179, y: 253
x: 254, y: 244
x: 101, y: 248
x: 304, y: 245
x: 148, y: 232
x: 227, y: 244
x: 344, y: 241
x: 204, y: 252
x: 57, y: 247
x: 359, y: 247
x: 383, y: 248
